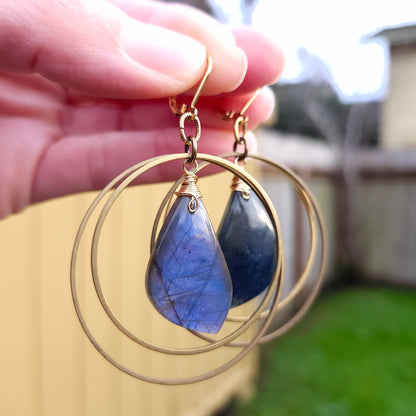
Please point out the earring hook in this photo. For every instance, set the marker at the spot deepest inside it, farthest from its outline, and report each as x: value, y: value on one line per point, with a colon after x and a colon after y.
x: 240, y: 120
x: 184, y: 108
x: 229, y: 115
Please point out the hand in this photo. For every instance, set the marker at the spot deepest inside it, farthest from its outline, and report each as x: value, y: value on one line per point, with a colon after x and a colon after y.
x: 84, y: 87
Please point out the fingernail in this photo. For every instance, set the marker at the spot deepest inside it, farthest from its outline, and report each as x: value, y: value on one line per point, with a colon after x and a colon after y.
x: 162, y: 50
x: 243, y: 66
x: 251, y: 142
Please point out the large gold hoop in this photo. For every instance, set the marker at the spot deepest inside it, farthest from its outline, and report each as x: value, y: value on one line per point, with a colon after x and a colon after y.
x: 273, y: 294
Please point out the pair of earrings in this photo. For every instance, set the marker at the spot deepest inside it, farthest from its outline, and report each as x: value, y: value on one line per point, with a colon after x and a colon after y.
x: 194, y: 275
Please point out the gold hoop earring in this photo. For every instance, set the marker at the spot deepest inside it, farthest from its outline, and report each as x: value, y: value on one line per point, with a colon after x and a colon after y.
x: 187, y: 191
x: 201, y: 305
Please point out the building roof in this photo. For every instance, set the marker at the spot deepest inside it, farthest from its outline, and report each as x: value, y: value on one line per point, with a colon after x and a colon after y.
x: 404, y: 34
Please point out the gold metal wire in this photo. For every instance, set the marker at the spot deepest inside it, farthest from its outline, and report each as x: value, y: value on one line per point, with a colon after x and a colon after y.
x: 240, y: 186
x: 272, y: 295
x: 190, y: 188
x: 305, y: 194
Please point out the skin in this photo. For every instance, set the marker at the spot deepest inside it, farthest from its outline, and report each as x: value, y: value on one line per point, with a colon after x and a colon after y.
x: 84, y: 87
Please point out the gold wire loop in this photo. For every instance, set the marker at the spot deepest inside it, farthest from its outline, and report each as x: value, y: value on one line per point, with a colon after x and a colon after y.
x: 189, y: 187
x: 192, y: 117
x: 184, y: 108
x: 193, y: 205
x: 193, y: 170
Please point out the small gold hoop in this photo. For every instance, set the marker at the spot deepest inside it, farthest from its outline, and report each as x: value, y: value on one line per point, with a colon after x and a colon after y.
x: 250, y: 320
x: 186, y: 170
x: 316, y: 223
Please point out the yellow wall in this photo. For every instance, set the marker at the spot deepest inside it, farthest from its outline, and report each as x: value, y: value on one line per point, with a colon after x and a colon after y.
x: 398, y: 129
x: 48, y: 367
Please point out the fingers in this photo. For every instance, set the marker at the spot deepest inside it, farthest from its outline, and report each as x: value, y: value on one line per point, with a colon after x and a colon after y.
x: 89, y: 158
x: 83, y: 163
x: 149, y: 50
x: 96, y: 48
x: 105, y: 116
x: 132, y: 54
x: 229, y: 61
x: 264, y: 57
x: 212, y: 110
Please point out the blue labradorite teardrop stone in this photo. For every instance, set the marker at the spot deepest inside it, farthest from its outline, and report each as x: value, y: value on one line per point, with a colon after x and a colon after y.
x: 187, y: 278
x: 248, y: 241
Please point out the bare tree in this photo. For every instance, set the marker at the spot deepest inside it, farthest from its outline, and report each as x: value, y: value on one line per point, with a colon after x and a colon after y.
x: 344, y: 136
x: 247, y: 8
x: 232, y: 11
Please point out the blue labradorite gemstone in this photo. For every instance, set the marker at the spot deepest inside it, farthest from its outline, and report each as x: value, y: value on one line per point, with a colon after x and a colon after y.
x: 248, y: 241
x: 188, y: 280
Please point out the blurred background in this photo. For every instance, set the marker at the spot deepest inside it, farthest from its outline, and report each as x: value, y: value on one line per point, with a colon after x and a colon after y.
x: 345, y: 122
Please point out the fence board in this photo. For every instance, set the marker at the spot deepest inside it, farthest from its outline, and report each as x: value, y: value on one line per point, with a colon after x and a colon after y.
x: 48, y: 365
x: 20, y: 380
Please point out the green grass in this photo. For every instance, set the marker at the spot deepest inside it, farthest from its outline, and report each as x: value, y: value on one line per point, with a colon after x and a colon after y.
x: 353, y: 355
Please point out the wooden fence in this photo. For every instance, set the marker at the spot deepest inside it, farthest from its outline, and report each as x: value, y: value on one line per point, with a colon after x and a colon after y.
x: 48, y: 367
x: 369, y: 208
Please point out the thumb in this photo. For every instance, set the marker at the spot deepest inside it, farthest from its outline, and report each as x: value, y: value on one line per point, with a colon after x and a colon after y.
x: 94, y: 47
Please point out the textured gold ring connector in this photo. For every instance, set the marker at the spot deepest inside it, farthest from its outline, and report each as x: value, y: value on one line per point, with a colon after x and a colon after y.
x: 192, y: 116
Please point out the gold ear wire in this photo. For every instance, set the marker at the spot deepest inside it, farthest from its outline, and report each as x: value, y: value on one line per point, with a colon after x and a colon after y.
x: 184, y: 108
x: 240, y: 120
x: 229, y: 115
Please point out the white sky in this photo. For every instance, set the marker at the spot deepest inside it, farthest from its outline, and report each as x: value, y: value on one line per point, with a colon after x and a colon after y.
x: 332, y: 30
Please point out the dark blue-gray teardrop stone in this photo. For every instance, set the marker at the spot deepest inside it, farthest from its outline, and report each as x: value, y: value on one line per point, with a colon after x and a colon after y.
x: 248, y: 242
x: 188, y: 280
